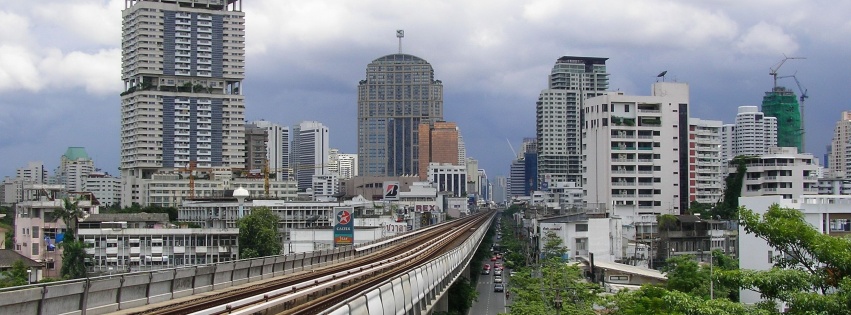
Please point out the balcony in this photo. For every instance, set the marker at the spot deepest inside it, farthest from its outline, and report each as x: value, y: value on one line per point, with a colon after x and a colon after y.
x: 179, y: 249
x: 200, y: 249
x: 205, y: 23
x: 182, y: 28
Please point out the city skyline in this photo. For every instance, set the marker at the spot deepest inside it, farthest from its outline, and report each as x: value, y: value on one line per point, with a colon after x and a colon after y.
x: 63, y: 67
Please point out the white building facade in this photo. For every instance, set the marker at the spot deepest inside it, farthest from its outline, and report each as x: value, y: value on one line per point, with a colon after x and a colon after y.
x: 636, y: 151
x: 752, y: 134
x: 74, y: 167
x: 310, y: 152
x: 781, y: 171
x: 107, y: 189
x: 277, y: 148
x: 448, y: 178
x: 706, y: 165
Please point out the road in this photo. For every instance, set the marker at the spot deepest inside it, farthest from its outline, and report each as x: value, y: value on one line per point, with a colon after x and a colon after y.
x: 489, y: 302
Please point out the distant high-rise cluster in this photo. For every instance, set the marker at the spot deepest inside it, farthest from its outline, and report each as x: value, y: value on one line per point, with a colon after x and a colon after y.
x: 398, y: 94
x: 753, y: 134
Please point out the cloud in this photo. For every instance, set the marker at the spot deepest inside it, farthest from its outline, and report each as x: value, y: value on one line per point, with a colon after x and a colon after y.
x: 18, y: 70
x: 766, y: 39
x: 98, y: 73
x: 95, y: 22
x: 15, y: 28
x: 632, y: 23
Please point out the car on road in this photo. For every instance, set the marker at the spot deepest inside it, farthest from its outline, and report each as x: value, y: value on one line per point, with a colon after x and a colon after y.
x: 497, y: 272
x: 497, y: 279
x: 486, y: 271
x: 497, y: 265
x: 493, y: 258
x: 498, y: 287
x: 498, y: 256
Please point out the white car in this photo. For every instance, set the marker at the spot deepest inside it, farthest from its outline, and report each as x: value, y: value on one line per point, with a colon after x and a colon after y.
x: 497, y: 279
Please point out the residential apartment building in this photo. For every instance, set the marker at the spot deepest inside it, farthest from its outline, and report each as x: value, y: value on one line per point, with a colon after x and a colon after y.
x: 13, y: 188
x: 127, y: 242
x: 473, y: 179
x: 325, y: 187
x: 105, y: 188
x: 310, y: 152
x: 277, y: 148
x: 462, y: 150
x: 448, y: 178
x: 39, y: 225
x: 559, y: 115
x: 637, y: 151
x: 585, y: 233
x: 706, y: 166
x: 397, y: 95
x: 74, y: 167
x: 752, y: 134
x: 840, y: 150
x: 438, y: 143
x: 182, y: 66
x: 344, y: 165
x: 781, y: 171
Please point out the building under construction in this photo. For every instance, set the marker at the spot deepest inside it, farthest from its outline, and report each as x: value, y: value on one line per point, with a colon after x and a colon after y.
x: 782, y: 103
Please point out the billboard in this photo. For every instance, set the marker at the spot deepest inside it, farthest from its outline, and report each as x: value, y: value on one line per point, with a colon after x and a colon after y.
x: 344, y: 226
x: 391, y: 191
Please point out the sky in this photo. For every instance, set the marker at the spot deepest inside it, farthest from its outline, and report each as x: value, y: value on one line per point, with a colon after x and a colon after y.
x: 60, y: 63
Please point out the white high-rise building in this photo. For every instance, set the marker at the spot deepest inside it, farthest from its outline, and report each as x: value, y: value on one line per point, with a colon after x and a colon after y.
x: 106, y: 188
x: 345, y: 166
x: 310, y: 152
x: 183, y: 63
x: 780, y: 171
x: 559, y: 115
x: 325, y: 186
x: 74, y: 167
x: 277, y: 148
x: 752, y: 134
x: 12, y: 188
x: 448, y: 178
x: 34, y: 172
x: 706, y: 178
x: 462, y: 150
x: 637, y: 151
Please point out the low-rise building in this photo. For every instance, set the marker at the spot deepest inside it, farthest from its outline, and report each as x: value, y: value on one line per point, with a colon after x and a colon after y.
x: 584, y: 233
x: 781, y: 171
x: 35, y: 270
x: 126, y: 242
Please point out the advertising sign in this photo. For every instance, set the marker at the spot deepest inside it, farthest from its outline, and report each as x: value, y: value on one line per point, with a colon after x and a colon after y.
x: 391, y: 191
x: 344, y: 226
x: 426, y: 208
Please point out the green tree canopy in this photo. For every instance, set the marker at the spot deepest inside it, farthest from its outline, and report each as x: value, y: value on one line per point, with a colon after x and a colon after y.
x: 557, y: 280
x: 258, y: 234
x: 14, y: 276
x: 73, y: 259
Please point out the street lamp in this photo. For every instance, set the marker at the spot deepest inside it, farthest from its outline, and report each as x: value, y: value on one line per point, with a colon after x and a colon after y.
x: 240, y: 194
x: 557, y: 302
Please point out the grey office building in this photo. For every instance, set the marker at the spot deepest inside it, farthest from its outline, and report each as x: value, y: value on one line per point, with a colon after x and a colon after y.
x: 399, y: 93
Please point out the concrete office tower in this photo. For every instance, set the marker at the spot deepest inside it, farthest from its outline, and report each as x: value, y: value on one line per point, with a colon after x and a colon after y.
x: 345, y: 166
x: 34, y: 173
x: 448, y: 178
x: 182, y: 66
x: 838, y: 162
x: 753, y: 133
x: 637, y: 151
x: 74, y: 167
x: 107, y: 189
x: 398, y: 94
x: 277, y: 148
x: 559, y: 118
x: 255, y: 148
x: 500, y: 189
x: 12, y: 189
x: 438, y: 143
x: 473, y: 180
x: 782, y: 104
x: 310, y: 152
x: 707, y: 169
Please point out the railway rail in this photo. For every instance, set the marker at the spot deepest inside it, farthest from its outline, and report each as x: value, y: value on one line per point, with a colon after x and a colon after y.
x: 314, y: 291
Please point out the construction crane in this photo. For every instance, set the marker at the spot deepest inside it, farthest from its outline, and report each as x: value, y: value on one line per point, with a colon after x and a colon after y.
x: 801, y: 98
x: 776, y: 67
x: 191, y: 168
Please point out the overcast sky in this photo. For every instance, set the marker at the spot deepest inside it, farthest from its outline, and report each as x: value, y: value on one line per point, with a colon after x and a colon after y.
x: 60, y: 63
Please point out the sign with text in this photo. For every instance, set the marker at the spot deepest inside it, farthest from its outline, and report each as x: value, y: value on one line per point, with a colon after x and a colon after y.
x: 344, y: 226
x: 426, y: 208
x: 391, y: 191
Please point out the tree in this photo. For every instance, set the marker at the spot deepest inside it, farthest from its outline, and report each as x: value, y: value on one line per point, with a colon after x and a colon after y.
x: 726, y: 209
x: 537, y: 295
x: 553, y: 247
x: 258, y: 234
x: 70, y: 214
x: 651, y: 299
x: 461, y: 296
x: 15, y: 276
x: 73, y: 259
x: 812, y: 271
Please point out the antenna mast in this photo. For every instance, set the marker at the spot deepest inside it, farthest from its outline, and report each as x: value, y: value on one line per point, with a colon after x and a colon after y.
x: 400, y: 34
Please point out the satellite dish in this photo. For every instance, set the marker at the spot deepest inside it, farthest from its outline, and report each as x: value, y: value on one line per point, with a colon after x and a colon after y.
x: 662, y: 74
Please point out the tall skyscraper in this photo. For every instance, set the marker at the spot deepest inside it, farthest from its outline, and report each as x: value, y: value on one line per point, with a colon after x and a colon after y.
x: 277, y: 148
x: 752, y: 134
x: 462, y: 150
x: 559, y: 116
x: 74, y: 167
x: 781, y: 103
x: 438, y: 143
x: 310, y: 152
x: 398, y: 94
x: 708, y: 169
x: 182, y: 66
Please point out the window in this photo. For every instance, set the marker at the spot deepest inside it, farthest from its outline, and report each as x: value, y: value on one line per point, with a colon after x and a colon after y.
x: 582, y: 228
x: 626, y: 108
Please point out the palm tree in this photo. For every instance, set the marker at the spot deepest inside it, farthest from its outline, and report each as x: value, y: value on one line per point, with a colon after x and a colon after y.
x: 70, y: 214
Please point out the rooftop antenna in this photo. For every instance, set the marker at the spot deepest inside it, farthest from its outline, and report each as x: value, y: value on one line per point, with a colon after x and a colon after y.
x: 773, y: 72
x: 400, y: 34
x: 661, y: 75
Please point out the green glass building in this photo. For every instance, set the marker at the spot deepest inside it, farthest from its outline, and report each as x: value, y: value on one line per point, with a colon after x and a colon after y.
x: 782, y: 104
